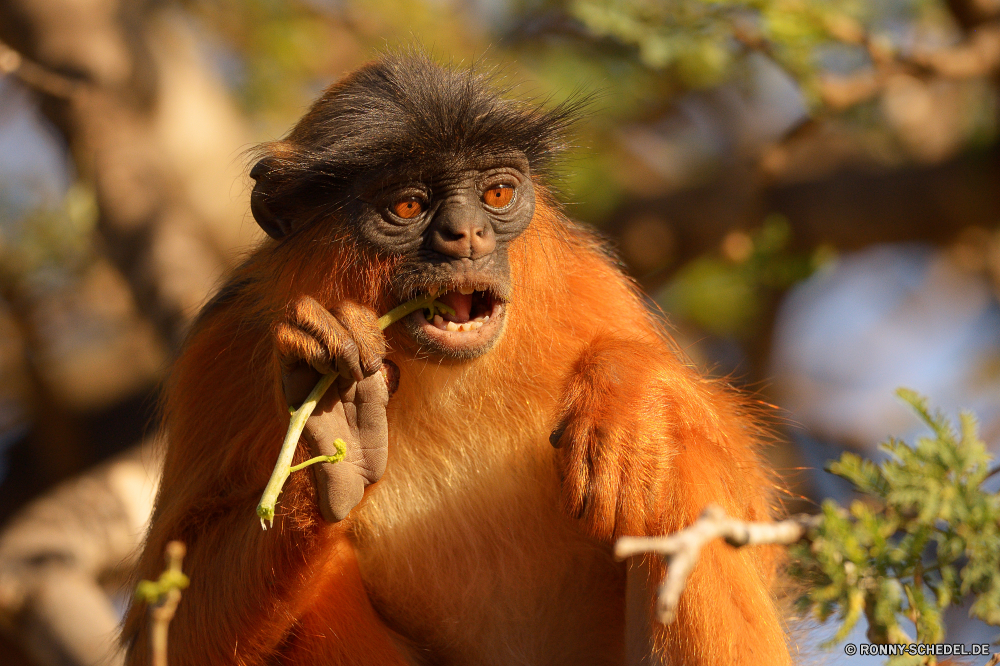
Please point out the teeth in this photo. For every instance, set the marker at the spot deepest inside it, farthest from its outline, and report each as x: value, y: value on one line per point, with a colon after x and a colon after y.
x: 463, y: 327
x: 455, y: 327
x: 465, y: 291
x: 433, y: 291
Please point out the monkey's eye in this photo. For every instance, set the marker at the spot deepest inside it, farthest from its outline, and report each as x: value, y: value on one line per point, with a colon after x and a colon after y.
x: 408, y: 208
x: 498, y: 196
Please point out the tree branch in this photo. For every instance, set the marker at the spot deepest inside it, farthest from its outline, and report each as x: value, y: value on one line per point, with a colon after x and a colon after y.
x: 35, y: 76
x: 680, y: 550
x: 977, y: 56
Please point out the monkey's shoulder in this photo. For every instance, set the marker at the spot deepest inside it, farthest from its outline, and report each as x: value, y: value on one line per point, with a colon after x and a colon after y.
x: 227, y: 295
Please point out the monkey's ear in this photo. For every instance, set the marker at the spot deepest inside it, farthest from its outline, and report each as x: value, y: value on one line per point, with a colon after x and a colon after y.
x: 272, y: 224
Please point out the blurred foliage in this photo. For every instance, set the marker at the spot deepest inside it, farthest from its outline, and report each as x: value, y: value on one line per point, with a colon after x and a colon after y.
x: 48, y: 243
x: 640, y: 57
x: 727, y: 293
x: 923, y: 536
x: 700, y: 41
x: 692, y: 38
x: 278, y: 56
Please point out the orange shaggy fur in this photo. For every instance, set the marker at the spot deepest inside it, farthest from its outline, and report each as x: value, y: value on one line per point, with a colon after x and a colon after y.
x: 482, y: 543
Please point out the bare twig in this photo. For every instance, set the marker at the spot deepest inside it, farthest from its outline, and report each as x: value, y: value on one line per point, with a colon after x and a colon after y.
x: 36, y: 76
x: 680, y: 550
x: 978, y: 55
x: 163, y: 595
x: 994, y: 660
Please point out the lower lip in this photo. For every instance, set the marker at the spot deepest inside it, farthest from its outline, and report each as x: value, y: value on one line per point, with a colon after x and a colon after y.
x: 461, y: 339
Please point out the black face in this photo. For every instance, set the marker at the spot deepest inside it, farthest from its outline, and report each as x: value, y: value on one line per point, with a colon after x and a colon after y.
x: 453, y: 226
x: 424, y: 163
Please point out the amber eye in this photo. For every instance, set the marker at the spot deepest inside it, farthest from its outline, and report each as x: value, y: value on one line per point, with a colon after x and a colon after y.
x: 408, y: 208
x: 498, y: 196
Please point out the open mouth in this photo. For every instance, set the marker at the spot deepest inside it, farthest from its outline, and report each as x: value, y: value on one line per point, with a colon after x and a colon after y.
x: 466, y: 325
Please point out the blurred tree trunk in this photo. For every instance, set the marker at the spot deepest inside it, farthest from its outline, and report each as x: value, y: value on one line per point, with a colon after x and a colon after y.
x: 58, y: 550
x: 155, y: 133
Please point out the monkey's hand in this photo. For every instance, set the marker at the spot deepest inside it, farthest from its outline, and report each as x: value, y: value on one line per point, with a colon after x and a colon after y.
x: 609, y: 437
x: 347, y: 342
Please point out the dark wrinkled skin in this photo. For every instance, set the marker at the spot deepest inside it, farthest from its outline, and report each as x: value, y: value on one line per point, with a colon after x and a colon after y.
x: 354, y: 411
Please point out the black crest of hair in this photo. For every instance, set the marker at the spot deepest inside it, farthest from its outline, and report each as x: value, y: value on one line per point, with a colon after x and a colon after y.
x: 401, y: 110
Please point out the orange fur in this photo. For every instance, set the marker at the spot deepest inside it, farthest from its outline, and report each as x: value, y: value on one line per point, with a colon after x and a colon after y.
x: 481, y: 543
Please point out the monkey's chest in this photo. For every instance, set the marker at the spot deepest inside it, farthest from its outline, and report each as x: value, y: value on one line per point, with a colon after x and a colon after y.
x: 468, y: 556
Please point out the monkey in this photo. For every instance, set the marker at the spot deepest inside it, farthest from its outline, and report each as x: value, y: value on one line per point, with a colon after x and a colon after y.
x: 495, y: 448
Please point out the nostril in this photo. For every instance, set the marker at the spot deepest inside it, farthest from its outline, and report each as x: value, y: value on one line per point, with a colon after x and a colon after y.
x: 461, y: 236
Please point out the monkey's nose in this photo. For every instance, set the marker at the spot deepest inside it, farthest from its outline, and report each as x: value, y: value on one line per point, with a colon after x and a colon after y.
x: 463, y: 238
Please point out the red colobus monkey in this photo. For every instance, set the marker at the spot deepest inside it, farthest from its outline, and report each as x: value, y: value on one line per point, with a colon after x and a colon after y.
x: 473, y: 518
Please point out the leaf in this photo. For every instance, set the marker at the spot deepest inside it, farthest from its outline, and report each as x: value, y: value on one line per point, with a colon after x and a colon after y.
x: 923, y: 527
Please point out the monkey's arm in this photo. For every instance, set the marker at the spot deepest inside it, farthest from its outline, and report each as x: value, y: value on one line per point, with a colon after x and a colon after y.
x: 644, y: 444
x: 254, y: 595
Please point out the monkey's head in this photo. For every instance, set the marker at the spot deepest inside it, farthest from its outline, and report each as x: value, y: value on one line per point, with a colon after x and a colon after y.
x: 430, y: 167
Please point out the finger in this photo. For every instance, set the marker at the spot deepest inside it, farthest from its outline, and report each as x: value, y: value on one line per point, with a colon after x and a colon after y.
x: 356, y: 414
x: 294, y: 346
x: 373, y: 426
x: 576, y: 471
x: 362, y: 324
x: 602, y: 487
x: 315, y: 320
x: 556, y: 436
x: 389, y: 373
x: 363, y: 405
x: 297, y: 382
x: 340, y: 487
x: 327, y: 423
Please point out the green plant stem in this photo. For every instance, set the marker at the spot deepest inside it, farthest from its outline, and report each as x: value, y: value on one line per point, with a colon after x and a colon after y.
x: 335, y: 458
x: 163, y: 595
x: 265, y: 509
x: 409, y: 307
